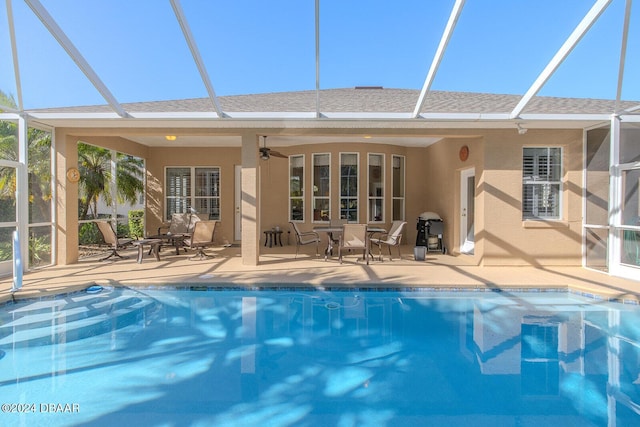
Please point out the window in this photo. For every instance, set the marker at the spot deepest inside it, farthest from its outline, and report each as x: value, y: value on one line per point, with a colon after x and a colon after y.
x: 296, y: 188
x: 196, y: 187
x: 207, y: 192
x: 376, y: 188
x: 349, y: 186
x: 397, y: 183
x: 541, y: 185
x: 321, y: 187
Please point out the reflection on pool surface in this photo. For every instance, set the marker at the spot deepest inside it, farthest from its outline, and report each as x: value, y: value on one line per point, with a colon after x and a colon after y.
x: 280, y: 358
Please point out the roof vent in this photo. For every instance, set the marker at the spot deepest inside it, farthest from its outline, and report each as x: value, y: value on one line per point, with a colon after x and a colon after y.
x: 368, y: 87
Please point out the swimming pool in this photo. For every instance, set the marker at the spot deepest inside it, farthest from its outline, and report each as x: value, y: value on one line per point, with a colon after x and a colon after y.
x: 164, y: 357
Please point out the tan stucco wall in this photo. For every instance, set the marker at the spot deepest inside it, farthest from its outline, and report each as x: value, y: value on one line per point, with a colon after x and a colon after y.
x: 506, y: 238
x: 67, y: 193
x: 442, y: 167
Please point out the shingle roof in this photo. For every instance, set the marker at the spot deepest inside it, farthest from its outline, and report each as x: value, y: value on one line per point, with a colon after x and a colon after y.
x: 368, y: 100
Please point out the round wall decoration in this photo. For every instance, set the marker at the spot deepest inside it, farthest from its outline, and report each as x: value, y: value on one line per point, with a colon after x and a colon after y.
x: 73, y: 174
x: 464, y: 153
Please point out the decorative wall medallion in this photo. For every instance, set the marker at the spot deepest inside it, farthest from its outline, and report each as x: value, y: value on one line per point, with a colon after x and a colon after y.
x: 73, y: 175
x: 464, y: 153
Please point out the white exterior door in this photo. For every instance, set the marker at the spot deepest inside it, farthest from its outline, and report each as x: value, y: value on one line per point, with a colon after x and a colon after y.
x: 467, y: 210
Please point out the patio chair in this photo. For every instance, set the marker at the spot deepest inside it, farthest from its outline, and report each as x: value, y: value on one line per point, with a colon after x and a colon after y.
x: 335, y: 235
x: 354, y: 236
x: 201, y: 238
x: 111, y: 238
x: 392, y: 238
x: 193, y: 218
x: 305, y: 238
x: 175, y: 231
x: 178, y: 224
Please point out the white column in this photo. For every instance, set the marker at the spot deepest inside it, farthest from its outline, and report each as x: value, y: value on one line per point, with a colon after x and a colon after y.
x: 613, y: 246
x: 113, y: 186
x: 22, y: 196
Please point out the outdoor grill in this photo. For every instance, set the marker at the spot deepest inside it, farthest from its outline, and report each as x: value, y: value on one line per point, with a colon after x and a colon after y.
x: 430, y: 232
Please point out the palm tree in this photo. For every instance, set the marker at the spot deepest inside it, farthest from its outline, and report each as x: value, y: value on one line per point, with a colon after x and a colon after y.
x: 95, y: 175
x: 39, y: 165
x: 39, y: 182
x: 8, y: 151
x: 7, y: 101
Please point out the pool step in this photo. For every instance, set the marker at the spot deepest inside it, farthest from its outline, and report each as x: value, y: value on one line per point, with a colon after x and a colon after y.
x: 72, y: 323
x: 35, y: 315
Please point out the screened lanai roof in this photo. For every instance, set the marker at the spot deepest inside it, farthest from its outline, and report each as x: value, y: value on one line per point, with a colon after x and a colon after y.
x: 450, y: 60
x: 365, y: 100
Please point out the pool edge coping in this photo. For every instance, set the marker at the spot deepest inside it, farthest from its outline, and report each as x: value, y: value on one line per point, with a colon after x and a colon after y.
x: 627, y: 298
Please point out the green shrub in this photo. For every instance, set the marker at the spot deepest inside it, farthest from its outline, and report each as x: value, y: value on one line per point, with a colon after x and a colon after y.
x: 136, y: 223
x: 6, y: 251
x: 6, y: 243
x: 89, y: 234
x: 122, y: 230
x: 39, y: 249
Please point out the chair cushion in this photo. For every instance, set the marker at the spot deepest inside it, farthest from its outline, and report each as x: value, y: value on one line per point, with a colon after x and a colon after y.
x: 179, y: 223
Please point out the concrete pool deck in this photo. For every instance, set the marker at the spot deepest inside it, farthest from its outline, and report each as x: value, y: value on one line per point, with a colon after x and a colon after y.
x: 278, y: 267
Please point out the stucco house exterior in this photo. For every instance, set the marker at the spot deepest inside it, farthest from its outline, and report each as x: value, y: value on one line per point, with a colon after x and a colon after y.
x: 517, y: 180
x: 534, y: 190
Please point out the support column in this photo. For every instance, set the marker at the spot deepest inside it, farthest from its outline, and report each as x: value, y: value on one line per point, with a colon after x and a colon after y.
x: 66, y: 152
x: 613, y: 245
x: 22, y: 195
x: 250, y: 209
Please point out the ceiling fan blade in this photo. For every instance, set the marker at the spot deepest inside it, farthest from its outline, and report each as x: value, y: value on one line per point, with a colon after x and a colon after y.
x: 277, y: 154
x: 266, y: 153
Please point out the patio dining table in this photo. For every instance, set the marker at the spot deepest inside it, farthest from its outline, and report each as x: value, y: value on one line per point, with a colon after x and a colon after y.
x: 176, y: 240
x: 330, y: 229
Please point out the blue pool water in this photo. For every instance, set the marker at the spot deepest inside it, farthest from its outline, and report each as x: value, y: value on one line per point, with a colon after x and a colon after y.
x: 344, y: 358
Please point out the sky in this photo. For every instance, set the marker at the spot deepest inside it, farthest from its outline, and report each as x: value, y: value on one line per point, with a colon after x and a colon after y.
x: 137, y: 49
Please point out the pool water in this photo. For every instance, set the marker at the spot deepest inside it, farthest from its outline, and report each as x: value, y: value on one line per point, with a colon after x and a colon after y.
x: 169, y: 357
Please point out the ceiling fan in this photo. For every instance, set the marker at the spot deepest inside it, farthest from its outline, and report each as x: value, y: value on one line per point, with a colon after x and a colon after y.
x: 266, y: 153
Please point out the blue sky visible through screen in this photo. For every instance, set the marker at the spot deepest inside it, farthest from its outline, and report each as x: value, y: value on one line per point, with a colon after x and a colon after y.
x: 138, y: 50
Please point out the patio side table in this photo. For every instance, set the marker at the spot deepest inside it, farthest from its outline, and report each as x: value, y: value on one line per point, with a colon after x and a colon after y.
x: 272, y: 237
x: 155, y: 247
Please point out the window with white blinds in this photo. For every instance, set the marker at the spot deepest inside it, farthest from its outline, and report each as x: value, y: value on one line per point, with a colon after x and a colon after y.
x: 193, y: 188
x: 541, y: 182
